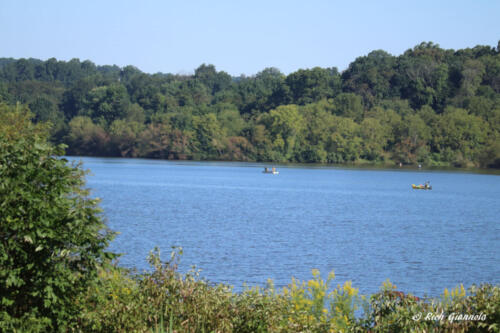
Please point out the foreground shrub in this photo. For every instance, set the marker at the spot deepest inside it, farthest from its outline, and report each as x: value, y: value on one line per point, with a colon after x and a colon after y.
x: 164, y: 300
x: 123, y: 301
x: 52, y: 236
x: 474, y: 310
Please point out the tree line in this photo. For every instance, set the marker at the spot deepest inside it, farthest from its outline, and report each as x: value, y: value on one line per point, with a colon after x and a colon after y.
x: 429, y: 106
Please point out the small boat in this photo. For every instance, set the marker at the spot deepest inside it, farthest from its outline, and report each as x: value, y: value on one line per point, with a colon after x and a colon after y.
x: 425, y: 186
x: 272, y: 171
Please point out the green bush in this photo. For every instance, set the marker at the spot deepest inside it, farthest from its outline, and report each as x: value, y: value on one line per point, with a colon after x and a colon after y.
x: 52, y: 236
x: 164, y: 300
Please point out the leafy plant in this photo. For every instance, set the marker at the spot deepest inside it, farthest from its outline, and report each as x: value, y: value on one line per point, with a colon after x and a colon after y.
x: 52, y: 237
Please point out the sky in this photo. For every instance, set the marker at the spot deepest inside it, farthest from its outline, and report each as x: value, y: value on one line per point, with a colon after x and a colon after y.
x: 239, y: 37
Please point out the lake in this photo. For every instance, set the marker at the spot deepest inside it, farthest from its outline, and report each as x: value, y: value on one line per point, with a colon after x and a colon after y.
x: 239, y: 225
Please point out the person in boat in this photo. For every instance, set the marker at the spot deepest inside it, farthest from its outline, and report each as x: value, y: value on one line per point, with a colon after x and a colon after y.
x: 427, y: 184
x: 265, y: 170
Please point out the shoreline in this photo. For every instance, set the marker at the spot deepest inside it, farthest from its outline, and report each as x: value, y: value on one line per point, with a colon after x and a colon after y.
x: 346, y: 166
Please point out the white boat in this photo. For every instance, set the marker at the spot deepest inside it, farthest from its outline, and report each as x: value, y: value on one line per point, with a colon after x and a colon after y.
x: 272, y: 171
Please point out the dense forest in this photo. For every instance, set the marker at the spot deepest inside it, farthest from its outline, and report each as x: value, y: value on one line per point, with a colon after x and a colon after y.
x: 428, y: 106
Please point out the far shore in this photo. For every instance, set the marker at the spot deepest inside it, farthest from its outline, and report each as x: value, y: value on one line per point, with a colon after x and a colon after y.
x: 361, y: 165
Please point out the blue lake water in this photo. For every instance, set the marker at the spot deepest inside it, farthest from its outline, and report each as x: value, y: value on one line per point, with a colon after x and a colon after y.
x: 239, y: 225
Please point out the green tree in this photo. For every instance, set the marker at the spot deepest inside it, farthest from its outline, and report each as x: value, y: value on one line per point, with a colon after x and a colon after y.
x: 86, y: 138
x: 52, y: 235
x: 215, y: 81
x: 124, y: 137
x: 472, y: 75
x: 231, y: 120
x: 284, y: 124
x: 259, y: 137
x: 25, y: 70
x: 312, y: 85
x: 318, y: 121
x: 193, y: 93
x: 491, y: 77
x: 423, y: 75
x: 210, y: 136
x: 108, y: 103
x: 391, y: 122
x: 262, y: 92
x: 462, y: 136
x: 45, y: 109
x: 370, y: 76
x: 344, y: 143
x: 4, y: 93
x: 135, y: 113
x: 412, y: 146
x: 374, y: 138
x: 349, y: 105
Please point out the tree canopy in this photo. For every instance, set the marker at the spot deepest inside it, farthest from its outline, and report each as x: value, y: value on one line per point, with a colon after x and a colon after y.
x: 428, y: 105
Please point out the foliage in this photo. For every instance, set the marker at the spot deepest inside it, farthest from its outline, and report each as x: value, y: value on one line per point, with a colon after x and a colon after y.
x: 55, y: 274
x: 428, y: 105
x: 393, y: 311
x: 52, y: 235
x: 164, y: 300
x: 123, y: 301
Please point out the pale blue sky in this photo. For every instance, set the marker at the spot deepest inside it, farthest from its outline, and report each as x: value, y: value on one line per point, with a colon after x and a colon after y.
x: 237, y: 36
